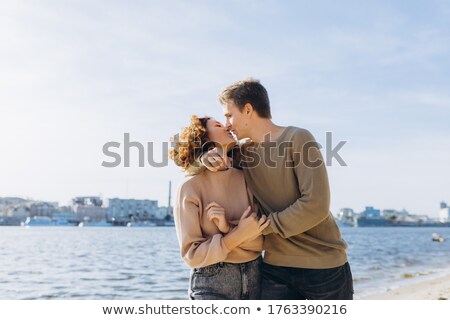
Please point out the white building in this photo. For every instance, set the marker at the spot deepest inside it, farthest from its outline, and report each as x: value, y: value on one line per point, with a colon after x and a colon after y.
x: 43, y: 209
x: 91, y: 213
x: 8, y: 204
x: 162, y: 212
x: 89, y: 209
x: 345, y: 213
x: 126, y: 209
x: 444, y: 212
x: 20, y: 211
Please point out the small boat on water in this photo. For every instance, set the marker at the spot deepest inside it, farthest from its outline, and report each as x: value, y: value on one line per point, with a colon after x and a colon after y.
x: 438, y: 238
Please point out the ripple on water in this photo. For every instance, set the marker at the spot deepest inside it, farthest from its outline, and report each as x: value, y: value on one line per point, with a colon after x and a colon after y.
x: 115, y: 263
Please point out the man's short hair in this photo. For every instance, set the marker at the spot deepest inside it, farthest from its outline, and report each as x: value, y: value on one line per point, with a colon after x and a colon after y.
x: 248, y: 91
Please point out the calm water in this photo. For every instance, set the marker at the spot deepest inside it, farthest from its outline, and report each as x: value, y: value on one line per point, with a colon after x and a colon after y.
x: 144, y: 263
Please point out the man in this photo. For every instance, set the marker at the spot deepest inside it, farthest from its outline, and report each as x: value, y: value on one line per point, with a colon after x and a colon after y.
x: 305, y: 255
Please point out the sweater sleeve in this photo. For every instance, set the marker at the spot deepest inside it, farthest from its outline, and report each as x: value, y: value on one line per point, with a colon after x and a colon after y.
x: 196, y: 249
x: 312, y: 207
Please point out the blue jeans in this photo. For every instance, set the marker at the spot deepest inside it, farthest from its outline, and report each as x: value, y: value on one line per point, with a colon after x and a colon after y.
x: 226, y: 281
x: 286, y: 283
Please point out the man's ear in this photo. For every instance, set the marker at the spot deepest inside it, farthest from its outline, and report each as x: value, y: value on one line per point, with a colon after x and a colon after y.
x: 248, y: 109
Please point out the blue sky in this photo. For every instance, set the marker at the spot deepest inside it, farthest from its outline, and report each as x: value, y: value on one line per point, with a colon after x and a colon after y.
x: 75, y: 75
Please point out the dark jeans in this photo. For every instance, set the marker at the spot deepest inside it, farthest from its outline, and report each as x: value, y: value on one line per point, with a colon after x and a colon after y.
x: 285, y: 283
x: 226, y: 281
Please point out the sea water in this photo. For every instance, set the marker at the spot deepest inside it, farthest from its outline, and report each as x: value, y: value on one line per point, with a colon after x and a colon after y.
x: 144, y: 263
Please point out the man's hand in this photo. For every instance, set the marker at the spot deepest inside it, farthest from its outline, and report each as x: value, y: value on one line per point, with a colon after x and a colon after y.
x: 250, y: 226
x: 216, y: 213
x: 212, y: 160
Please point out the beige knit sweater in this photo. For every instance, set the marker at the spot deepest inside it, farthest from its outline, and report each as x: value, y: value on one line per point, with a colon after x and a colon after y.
x: 293, y: 190
x: 200, y: 240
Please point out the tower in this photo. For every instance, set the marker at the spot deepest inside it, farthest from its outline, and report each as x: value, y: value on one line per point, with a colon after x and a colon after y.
x: 169, y: 208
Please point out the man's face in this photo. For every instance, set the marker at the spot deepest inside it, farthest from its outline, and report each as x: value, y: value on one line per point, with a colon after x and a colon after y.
x: 236, y: 121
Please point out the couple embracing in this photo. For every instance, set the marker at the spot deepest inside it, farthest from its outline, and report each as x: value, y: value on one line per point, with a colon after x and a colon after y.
x: 253, y: 186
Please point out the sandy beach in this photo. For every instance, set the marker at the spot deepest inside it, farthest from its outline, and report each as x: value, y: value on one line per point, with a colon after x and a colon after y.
x: 437, y: 288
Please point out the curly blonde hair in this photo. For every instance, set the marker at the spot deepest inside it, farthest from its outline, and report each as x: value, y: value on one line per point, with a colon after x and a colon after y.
x: 189, y: 145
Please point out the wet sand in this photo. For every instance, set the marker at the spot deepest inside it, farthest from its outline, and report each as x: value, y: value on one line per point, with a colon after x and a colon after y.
x: 429, y: 289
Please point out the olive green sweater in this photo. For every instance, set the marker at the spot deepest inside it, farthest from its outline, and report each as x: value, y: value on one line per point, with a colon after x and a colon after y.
x: 289, y: 180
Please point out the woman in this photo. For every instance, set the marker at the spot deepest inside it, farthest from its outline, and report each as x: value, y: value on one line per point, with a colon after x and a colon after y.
x: 218, y: 231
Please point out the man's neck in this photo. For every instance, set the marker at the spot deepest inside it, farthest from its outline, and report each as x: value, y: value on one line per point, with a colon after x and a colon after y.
x: 265, y: 130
